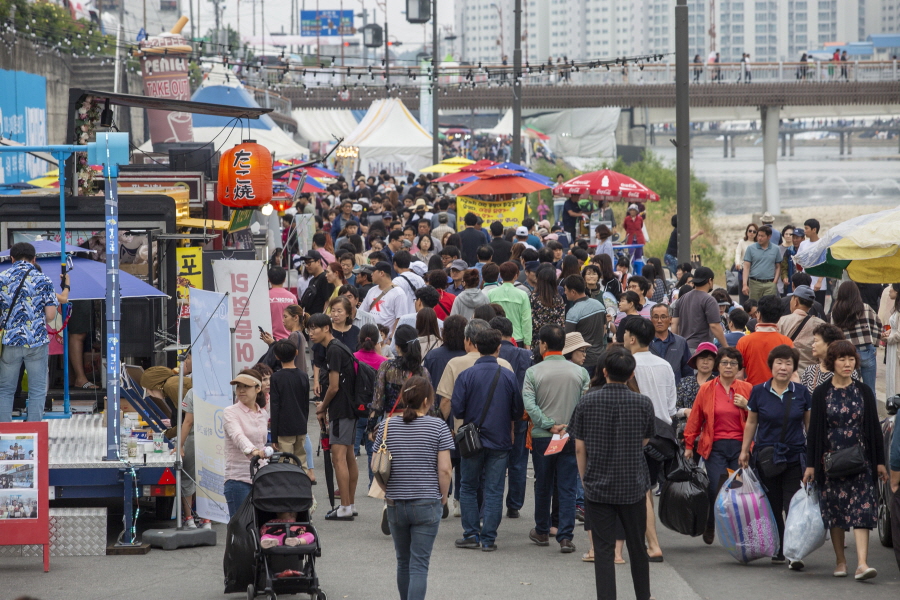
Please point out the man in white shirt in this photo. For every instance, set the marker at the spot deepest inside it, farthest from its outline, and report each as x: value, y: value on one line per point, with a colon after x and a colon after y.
x: 406, y: 279
x: 811, y: 229
x: 656, y: 380
x: 385, y: 301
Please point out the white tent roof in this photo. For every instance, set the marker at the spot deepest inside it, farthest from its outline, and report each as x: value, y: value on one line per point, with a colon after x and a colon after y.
x: 574, y: 133
x: 390, y: 138
x: 324, y: 125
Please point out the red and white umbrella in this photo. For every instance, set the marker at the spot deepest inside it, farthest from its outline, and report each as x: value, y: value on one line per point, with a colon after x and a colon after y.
x: 607, y: 185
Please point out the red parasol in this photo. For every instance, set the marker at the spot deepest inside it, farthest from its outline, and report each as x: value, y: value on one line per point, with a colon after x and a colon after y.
x: 466, y: 172
x: 608, y: 185
x: 499, y: 182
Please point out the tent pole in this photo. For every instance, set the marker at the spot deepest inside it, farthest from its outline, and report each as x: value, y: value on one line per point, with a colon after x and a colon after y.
x: 60, y: 159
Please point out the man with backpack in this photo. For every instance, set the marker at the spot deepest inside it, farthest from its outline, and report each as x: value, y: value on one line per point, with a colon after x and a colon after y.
x: 338, y: 383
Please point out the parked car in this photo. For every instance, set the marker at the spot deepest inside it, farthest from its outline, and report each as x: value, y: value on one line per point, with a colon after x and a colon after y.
x: 885, y: 495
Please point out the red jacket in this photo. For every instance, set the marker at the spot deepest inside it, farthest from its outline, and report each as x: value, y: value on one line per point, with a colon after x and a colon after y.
x: 444, y: 304
x: 701, y: 423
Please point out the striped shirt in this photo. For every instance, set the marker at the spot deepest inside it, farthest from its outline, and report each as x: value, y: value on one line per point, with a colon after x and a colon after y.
x: 414, y: 450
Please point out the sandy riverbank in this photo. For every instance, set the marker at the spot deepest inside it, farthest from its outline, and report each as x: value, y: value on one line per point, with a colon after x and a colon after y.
x: 730, y: 228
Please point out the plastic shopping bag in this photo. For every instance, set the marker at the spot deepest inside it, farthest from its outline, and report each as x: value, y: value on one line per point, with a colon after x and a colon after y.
x: 683, y: 501
x: 745, y: 524
x: 804, y: 529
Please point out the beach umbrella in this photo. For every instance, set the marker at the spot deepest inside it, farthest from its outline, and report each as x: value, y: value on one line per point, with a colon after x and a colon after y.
x: 607, y: 185
x: 867, y: 247
x: 448, y: 165
x: 503, y: 182
x: 466, y: 172
x: 525, y: 172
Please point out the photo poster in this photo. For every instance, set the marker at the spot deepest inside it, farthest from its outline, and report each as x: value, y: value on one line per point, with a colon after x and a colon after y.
x: 18, y: 476
x: 509, y: 212
x: 212, y: 394
x: 247, y: 285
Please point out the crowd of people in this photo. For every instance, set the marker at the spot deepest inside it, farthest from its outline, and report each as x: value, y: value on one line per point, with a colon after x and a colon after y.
x: 536, y: 343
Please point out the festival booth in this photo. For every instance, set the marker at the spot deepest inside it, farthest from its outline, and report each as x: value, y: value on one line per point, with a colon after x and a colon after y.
x: 388, y: 138
x: 322, y: 128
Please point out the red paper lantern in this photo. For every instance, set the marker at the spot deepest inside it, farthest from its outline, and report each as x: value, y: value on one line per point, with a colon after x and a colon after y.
x: 245, y: 176
x: 282, y: 202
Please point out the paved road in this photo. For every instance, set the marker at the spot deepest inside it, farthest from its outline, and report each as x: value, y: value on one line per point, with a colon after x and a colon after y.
x: 358, y: 564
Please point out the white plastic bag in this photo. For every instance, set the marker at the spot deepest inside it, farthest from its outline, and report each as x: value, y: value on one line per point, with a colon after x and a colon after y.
x: 804, y: 529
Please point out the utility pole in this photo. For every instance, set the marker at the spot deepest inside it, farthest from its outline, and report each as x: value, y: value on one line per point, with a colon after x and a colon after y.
x: 145, y: 18
x: 435, y: 144
x: 341, y: 30
x: 683, y: 134
x: 517, y: 83
x: 387, y: 58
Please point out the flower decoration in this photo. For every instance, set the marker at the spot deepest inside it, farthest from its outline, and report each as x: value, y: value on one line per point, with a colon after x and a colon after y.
x: 86, y: 118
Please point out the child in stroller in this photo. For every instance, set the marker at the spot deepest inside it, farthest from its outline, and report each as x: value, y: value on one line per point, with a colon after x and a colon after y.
x: 280, y: 532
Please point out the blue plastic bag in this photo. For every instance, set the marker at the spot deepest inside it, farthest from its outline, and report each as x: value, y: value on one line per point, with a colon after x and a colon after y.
x: 804, y: 529
x: 745, y: 524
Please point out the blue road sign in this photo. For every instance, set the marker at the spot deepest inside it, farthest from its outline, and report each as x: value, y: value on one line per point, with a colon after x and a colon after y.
x: 326, y: 23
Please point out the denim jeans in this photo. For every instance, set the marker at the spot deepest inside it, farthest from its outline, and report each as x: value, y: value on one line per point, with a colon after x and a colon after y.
x: 309, y: 453
x: 492, y: 464
x: 723, y: 456
x: 361, y: 424
x: 868, y: 365
x: 518, y: 467
x: 235, y: 494
x: 671, y: 263
x: 565, y: 467
x: 35, y: 360
x: 414, y: 525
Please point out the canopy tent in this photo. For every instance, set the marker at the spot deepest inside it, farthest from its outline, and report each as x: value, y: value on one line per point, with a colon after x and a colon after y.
x: 389, y: 138
x: 576, y: 133
x: 226, y: 132
x: 324, y: 125
x: 88, y: 280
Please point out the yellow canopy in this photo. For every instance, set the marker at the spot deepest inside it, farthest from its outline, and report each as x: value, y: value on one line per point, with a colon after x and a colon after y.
x: 450, y: 165
x: 202, y: 223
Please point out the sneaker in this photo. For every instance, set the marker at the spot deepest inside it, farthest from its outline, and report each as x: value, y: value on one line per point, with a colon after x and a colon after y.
x: 512, y: 513
x: 579, y: 513
x: 471, y: 543
x: 189, y: 523
x: 385, y: 526
x: 541, y: 539
x: 489, y: 547
x: 205, y: 524
x: 566, y: 547
x: 456, y: 511
x: 796, y: 565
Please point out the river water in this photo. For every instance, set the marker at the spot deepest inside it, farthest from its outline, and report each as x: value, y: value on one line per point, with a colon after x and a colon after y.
x: 814, y: 176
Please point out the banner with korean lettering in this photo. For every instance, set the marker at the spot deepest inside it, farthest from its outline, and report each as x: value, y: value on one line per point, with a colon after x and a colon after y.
x: 509, y: 212
x: 248, y: 307
x: 212, y: 394
x: 190, y: 275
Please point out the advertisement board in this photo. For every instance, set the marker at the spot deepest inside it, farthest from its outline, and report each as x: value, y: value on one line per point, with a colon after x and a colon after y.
x: 24, y: 486
x: 509, y: 212
x: 23, y: 119
x: 248, y: 307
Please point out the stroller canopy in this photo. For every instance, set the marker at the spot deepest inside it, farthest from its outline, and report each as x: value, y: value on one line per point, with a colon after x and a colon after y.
x: 282, y: 487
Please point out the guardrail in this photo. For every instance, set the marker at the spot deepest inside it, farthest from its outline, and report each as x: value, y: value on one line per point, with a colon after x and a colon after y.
x: 269, y: 99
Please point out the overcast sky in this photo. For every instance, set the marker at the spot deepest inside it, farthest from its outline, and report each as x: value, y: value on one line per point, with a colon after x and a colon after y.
x: 278, y: 15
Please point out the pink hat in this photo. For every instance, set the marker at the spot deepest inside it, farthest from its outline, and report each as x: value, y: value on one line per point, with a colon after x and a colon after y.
x: 704, y: 347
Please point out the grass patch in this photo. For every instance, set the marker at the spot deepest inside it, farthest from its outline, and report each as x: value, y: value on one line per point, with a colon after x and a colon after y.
x: 661, y: 178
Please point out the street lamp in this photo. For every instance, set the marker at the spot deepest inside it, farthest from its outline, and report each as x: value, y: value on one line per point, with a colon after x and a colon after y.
x: 502, y: 44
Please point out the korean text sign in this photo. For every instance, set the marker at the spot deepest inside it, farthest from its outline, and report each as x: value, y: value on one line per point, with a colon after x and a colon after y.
x: 509, y: 212
x: 248, y: 307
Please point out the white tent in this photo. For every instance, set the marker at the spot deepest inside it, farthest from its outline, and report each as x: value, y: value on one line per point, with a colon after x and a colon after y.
x: 324, y: 125
x: 223, y: 132
x: 389, y: 138
x: 575, y: 134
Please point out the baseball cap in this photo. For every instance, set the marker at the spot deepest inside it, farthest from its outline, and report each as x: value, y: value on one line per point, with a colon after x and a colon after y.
x: 704, y: 347
x: 702, y: 275
x: 356, y: 208
x: 443, y: 218
x: 367, y: 269
x: 532, y: 265
x: 406, y: 243
x: 311, y: 256
x: 459, y: 264
x: 799, y: 232
x: 804, y: 292
x: 419, y: 268
x: 383, y: 266
x: 521, y: 231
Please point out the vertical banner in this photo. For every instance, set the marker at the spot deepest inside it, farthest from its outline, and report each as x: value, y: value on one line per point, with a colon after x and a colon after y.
x: 305, y: 226
x: 212, y: 394
x: 509, y: 212
x: 190, y: 275
x: 248, y: 307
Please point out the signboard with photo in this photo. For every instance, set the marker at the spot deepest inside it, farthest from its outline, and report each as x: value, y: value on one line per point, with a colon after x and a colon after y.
x: 24, y: 489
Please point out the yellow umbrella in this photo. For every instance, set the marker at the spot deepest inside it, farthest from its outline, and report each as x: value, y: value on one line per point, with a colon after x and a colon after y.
x: 450, y: 165
x: 48, y: 179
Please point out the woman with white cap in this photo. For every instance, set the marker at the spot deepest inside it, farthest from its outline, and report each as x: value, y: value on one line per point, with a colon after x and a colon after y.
x: 634, y: 230
x: 246, y: 431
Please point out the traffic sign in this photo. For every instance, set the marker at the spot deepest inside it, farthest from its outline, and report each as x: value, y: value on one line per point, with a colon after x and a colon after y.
x: 326, y: 23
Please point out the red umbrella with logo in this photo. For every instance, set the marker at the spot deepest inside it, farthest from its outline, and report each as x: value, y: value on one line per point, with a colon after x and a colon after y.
x: 606, y: 185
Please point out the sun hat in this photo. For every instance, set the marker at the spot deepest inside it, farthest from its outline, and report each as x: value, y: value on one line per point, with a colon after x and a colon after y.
x: 703, y: 347
x: 246, y: 380
x: 574, y: 341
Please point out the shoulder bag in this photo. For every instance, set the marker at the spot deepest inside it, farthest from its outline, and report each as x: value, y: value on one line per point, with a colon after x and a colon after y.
x: 12, y: 305
x: 765, y: 457
x: 800, y: 327
x: 847, y: 461
x: 381, y: 460
x: 468, y: 437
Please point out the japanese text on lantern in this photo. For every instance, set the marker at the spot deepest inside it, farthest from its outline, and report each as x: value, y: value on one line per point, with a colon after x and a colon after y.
x: 243, y: 332
x: 243, y: 189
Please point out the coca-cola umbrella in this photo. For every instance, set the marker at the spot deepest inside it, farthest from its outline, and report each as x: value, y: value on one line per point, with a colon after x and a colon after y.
x: 606, y: 185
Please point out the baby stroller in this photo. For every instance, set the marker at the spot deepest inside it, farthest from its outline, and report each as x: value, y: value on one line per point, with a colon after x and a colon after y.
x: 278, y: 487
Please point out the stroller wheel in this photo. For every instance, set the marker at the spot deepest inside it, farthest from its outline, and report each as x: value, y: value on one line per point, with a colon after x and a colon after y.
x: 251, y: 592
x: 271, y: 596
x: 321, y: 596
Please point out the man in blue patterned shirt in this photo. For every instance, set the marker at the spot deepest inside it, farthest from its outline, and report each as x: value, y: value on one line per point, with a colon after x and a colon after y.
x: 25, y: 339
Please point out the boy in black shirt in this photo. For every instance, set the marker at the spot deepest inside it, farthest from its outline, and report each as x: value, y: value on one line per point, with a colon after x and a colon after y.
x: 337, y: 383
x: 289, y: 397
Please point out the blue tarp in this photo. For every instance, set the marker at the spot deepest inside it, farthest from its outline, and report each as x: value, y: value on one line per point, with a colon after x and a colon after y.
x: 88, y: 279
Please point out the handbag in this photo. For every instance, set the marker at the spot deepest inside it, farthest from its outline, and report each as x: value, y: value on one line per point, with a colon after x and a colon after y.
x: 845, y: 462
x: 765, y: 457
x: 381, y: 460
x: 468, y: 437
x: 12, y: 305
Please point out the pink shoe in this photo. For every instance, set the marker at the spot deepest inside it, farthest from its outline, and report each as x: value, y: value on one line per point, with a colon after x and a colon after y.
x: 270, y: 541
x: 301, y: 540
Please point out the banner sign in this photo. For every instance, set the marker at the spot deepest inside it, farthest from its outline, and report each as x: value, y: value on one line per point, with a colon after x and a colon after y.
x: 212, y: 394
x: 23, y: 119
x: 248, y: 307
x: 24, y: 486
x: 326, y: 23
x: 166, y: 76
x: 509, y: 212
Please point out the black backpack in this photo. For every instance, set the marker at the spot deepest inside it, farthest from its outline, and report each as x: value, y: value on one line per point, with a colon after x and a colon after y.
x: 363, y: 384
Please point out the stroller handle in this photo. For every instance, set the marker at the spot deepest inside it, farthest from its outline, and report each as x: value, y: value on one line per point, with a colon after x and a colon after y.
x: 277, y: 457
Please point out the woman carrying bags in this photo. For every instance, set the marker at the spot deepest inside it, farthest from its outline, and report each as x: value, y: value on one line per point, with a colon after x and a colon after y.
x: 845, y: 455
x: 717, y: 419
x: 777, y: 422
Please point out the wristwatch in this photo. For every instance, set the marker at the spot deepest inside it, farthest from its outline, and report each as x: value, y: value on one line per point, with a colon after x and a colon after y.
x: 67, y: 287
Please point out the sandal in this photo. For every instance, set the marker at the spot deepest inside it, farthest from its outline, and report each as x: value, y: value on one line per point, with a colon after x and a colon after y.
x: 587, y: 557
x: 87, y: 386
